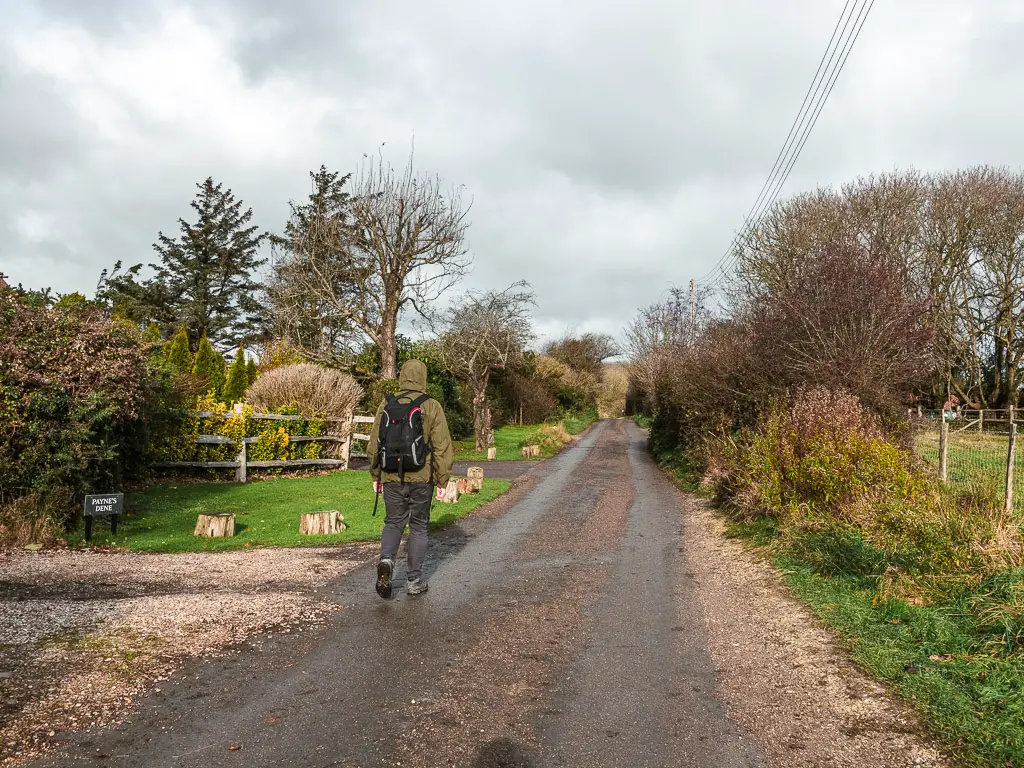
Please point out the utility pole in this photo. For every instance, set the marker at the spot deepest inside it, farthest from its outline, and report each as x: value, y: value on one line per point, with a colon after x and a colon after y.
x: 693, y: 311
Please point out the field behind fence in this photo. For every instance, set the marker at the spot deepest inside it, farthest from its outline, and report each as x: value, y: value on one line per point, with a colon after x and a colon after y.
x: 972, y: 451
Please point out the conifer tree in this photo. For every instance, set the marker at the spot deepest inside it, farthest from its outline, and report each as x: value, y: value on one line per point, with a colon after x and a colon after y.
x: 209, y: 367
x: 207, y: 272
x: 205, y: 278
x: 252, y: 372
x: 238, y: 379
x: 177, y: 354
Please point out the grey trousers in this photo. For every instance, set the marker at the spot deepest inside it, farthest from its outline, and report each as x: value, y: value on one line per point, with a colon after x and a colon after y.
x: 407, y: 504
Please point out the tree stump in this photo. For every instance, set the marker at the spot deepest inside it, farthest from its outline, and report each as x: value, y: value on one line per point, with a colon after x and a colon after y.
x: 475, y: 475
x: 321, y: 523
x: 492, y: 453
x: 451, y: 493
x: 216, y: 525
x: 530, y: 451
x: 463, y: 485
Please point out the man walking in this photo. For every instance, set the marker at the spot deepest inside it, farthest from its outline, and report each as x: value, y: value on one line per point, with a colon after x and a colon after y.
x: 410, y: 453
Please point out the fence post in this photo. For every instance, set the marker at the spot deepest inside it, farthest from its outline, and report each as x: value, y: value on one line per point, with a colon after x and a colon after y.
x: 242, y: 458
x: 346, y: 447
x: 943, y: 446
x: 1010, y: 461
x: 981, y: 419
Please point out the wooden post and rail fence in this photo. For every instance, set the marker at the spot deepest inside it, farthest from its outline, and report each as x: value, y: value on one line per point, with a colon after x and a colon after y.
x: 241, y: 463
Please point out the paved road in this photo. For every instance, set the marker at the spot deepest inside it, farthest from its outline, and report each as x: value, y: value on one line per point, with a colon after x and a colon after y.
x: 560, y: 630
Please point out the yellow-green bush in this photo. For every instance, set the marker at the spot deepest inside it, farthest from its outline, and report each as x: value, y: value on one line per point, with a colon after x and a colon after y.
x: 271, y: 445
x: 849, y: 499
x: 551, y: 438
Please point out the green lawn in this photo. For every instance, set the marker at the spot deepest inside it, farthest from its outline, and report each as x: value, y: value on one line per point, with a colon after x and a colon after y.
x: 956, y: 661
x: 509, y: 440
x: 163, y: 517
x: 577, y: 424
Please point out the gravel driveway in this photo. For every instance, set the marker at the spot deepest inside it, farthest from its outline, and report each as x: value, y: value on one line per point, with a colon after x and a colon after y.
x: 83, y: 634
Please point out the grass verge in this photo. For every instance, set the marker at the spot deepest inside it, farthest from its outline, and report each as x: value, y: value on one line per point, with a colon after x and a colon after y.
x: 510, y: 439
x: 162, y: 518
x: 950, y: 663
x: 970, y: 695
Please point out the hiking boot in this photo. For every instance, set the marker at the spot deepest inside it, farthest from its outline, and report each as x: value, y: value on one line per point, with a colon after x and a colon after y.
x: 384, y: 570
x: 416, y: 587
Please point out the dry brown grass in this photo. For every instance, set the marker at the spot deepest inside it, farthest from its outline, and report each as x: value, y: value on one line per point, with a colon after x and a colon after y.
x: 25, y: 521
x: 611, y: 394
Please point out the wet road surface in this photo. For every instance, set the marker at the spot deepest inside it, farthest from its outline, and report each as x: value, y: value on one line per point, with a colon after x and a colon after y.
x: 503, y: 470
x: 558, y: 631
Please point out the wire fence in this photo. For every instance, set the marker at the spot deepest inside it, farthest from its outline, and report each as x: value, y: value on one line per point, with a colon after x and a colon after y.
x: 974, y: 451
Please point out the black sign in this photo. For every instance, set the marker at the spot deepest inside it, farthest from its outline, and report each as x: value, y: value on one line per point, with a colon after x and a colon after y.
x: 104, y: 504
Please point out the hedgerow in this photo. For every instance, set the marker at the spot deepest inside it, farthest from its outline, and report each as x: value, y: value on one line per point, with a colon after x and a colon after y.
x: 82, y: 397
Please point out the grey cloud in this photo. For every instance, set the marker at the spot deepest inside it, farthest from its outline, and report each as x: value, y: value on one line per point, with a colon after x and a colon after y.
x: 101, y: 17
x: 612, y: 149
x: 38, y: 133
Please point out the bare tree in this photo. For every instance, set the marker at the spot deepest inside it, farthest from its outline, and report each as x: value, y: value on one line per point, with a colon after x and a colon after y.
x: 944, y: 274
x: 399, y: 241
x: 820, y: 331
x: 999, y: 282
x: 659, y: 332
x: 484, y: 333
x: 585, y: 352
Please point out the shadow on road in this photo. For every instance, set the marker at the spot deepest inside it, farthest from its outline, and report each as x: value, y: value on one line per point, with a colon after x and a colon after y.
x: 503, y: 753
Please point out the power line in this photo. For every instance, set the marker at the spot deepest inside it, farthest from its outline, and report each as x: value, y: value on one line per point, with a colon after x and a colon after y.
x: 798, y: 122
x: 800, y: 131
x: 724, y: 269
x: 859, y: 23
x: 817, y: 103
x: 802, y: 126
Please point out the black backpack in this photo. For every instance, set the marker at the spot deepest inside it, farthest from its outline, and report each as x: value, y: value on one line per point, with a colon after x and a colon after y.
x: 400, y: 442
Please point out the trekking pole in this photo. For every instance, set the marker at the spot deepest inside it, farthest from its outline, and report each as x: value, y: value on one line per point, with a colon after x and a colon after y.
x: 376, y: 499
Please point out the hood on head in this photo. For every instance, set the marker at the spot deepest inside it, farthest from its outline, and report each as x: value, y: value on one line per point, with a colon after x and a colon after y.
x: 413, y: 376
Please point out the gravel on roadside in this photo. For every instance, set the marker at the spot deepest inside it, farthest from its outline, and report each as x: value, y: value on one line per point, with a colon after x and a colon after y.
x: 85, y: 633
x: 783, y: 675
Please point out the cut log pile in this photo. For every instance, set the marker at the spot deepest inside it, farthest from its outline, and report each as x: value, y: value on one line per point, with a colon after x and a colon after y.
x: 531, y: 451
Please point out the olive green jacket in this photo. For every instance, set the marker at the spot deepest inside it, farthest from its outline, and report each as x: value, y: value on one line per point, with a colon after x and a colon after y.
x: 413, y: 379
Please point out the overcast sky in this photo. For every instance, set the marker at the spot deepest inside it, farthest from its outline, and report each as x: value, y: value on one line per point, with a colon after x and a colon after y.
x: 611, y: 148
